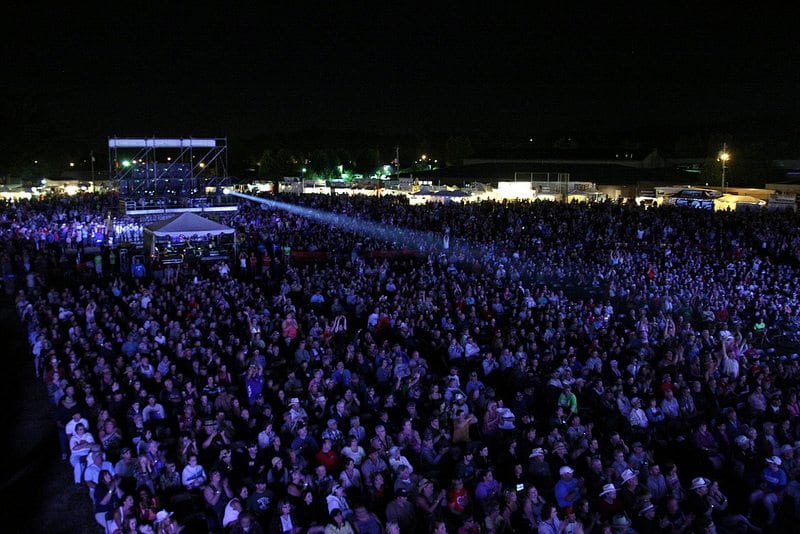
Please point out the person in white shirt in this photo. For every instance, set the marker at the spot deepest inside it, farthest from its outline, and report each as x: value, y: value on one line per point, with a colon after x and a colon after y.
x: 396, y: 460
x: 96, y: 464
x: 80, y: 445
x: 337, y: 500
x: 77, y: 419
x: 637, y: 417
x: 354, y: 451
x: 193, y: 475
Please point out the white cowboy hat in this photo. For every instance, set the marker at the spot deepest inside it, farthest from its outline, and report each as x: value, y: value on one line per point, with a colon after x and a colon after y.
x: 608, y: 488
x: 538, y: 451
x: 649, y: 507
x: 620, y: 520
x: 162, y: 515
x: 627, y: 475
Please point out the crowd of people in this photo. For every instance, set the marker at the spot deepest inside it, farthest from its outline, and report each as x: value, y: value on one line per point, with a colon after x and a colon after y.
x: 540, y: 367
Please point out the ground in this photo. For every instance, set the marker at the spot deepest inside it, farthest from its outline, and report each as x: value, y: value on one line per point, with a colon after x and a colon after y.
x: 36, y: 485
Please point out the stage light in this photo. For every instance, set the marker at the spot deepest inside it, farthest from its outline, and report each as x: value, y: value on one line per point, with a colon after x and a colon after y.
x: 126, y: 163
x: 226, y: 191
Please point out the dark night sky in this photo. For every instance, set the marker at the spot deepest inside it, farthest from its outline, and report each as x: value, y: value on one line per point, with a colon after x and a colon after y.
x: 200, y: 71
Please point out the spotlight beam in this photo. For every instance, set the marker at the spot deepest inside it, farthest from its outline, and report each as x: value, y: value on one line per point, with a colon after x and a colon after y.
x: 421, y: 240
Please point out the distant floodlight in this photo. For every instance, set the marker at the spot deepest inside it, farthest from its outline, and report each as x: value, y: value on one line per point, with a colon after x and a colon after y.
x: 126, y: 163
x: 226, y: 191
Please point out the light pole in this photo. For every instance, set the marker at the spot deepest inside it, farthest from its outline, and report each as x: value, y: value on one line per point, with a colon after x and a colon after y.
x: 724, y: 157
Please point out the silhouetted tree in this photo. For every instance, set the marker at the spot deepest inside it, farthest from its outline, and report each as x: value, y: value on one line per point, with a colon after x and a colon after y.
x: 323, y: 163
x: 367, y: 160
x: 275, y: 164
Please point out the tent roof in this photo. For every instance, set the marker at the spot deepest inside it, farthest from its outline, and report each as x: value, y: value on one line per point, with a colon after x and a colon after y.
x: 188, y: 224
x: 447, y: 193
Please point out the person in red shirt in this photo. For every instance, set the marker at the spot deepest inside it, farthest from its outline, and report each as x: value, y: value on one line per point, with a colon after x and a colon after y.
x: 327, y: 456
x: 458, y: 499
x: 610, y: 504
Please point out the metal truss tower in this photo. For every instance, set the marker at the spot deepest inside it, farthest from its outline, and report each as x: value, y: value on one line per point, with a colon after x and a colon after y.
x: 170, y: 168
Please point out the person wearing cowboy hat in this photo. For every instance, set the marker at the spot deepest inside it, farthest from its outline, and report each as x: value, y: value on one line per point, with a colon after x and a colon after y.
x: 609, y: 504
x: 773, y: 484
x: 697, y: 501
x: 163, y: 521
x: 539, y: 469
x: 629, y: 481
x: 645, y: 520
x: 620, y: 524
x: 296, y: 411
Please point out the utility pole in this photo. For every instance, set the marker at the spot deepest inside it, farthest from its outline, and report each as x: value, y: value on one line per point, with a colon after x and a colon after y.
x: 724, y: 157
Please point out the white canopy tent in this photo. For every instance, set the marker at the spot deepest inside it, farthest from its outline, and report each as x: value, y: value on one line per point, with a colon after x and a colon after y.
x: 185, y: 226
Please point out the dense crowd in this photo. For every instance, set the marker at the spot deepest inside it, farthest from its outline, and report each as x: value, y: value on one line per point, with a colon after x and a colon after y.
x: 541, y: 367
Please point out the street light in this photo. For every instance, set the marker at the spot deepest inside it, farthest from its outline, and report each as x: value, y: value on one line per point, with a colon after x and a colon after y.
x: 724, y: 156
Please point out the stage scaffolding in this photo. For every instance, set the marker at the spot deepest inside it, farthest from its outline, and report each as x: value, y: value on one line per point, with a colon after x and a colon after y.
x: 147, y: 169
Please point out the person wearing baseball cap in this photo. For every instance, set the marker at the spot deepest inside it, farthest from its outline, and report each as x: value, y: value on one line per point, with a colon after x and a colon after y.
x: 773, y: 484
x: 261, y: 500
x: 567, y: 489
